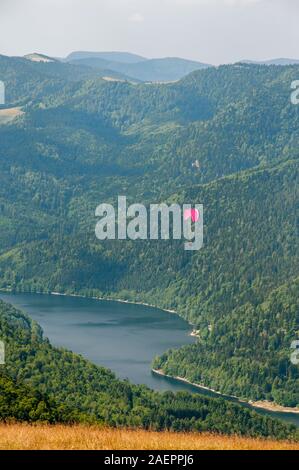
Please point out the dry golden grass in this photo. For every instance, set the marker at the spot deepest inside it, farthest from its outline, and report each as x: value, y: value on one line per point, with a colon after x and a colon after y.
x: 43, y: 437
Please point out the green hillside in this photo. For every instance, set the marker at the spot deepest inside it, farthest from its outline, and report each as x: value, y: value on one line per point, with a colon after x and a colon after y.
x: 83, y: 141
x: 255, y: 340
x: 19, y: 402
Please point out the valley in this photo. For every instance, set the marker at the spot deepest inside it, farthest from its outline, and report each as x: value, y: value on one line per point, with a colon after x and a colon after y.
x: 125, y: 338
x: 225, y: 137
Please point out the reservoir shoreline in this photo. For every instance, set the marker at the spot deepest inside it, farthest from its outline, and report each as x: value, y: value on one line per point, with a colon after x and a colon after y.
x: 261, y: 404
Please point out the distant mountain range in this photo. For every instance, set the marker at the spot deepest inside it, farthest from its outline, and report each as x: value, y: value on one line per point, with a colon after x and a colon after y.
x: 224, y: 136
x: 123, y: 57
x: 126, y: 66
x: 137, y: 67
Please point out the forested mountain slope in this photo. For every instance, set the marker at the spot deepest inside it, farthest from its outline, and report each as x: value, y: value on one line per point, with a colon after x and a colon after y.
x: 229, y: 119
x: 26, y: 81
x: 251, y: 248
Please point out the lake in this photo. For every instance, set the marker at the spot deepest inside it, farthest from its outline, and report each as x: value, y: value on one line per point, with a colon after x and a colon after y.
x: 120, y: 336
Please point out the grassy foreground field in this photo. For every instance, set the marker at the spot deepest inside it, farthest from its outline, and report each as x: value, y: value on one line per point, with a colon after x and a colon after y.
x: 45, y: 437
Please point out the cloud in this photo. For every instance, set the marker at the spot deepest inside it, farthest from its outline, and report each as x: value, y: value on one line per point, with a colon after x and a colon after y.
x: 136, y: 18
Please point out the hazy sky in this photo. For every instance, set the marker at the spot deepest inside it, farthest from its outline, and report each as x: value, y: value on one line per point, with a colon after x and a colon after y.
x: 214, y: 31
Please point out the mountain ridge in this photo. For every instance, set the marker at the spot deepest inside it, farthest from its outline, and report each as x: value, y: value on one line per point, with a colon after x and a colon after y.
x: 155, y: 70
